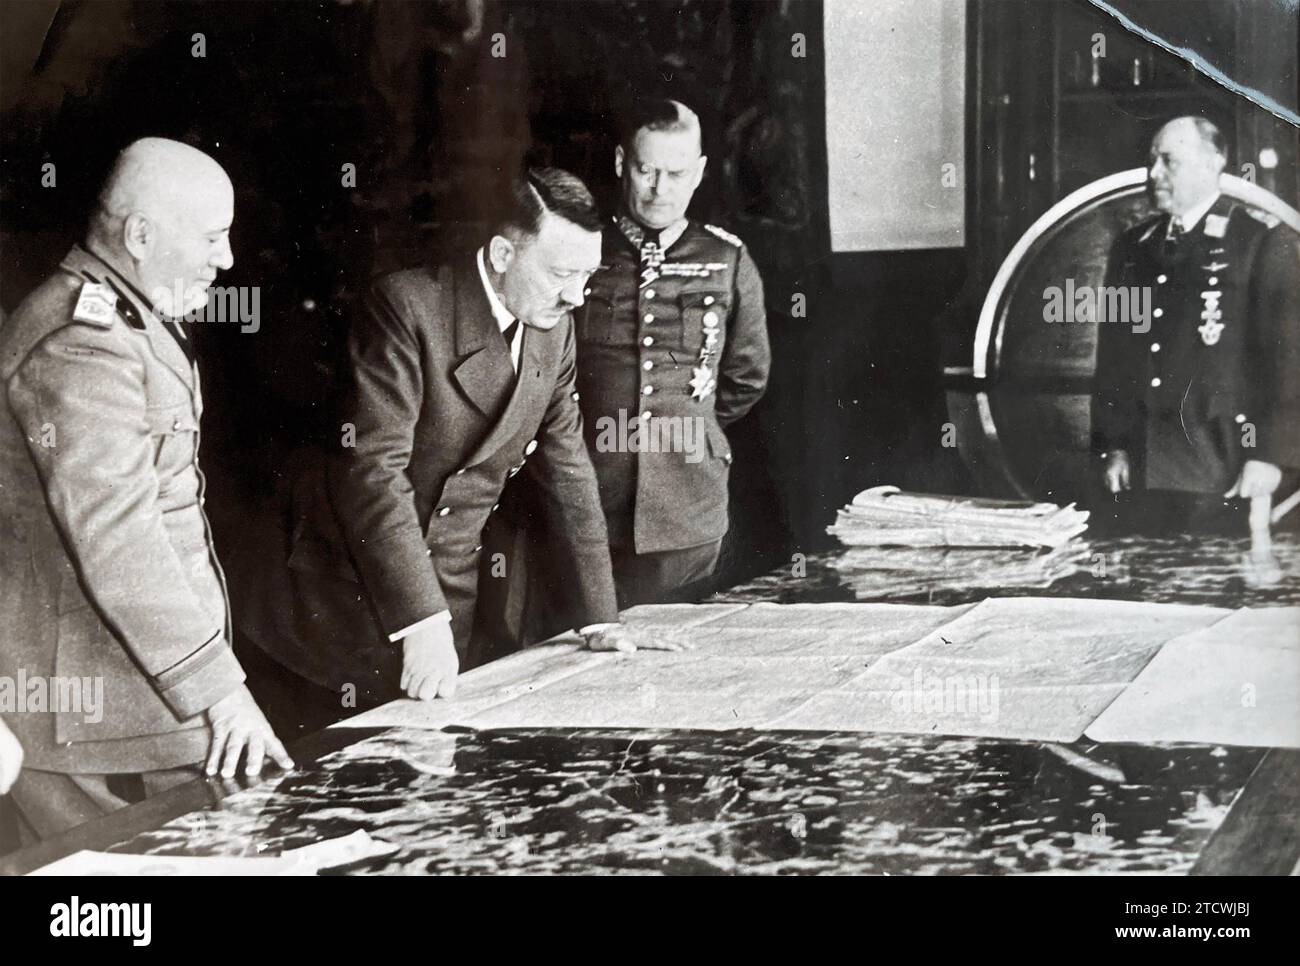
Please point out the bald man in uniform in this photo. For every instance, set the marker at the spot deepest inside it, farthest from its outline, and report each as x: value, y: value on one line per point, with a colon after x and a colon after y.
x: 112, y: 603
x: 1200, y: 406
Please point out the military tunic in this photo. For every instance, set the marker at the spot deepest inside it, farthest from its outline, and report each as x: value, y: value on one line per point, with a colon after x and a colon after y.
x: 681, y: 340
x: 1208, y: 385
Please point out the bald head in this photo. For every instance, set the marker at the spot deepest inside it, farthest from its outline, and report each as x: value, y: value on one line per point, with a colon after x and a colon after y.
x: 1187, y: 157
x: 164, y: 215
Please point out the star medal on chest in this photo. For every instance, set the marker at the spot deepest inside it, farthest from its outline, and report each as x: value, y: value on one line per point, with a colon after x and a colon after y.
x: 1211, y: 327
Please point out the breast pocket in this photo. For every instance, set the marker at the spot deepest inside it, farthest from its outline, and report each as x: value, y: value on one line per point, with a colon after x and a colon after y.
x: 701, y: 313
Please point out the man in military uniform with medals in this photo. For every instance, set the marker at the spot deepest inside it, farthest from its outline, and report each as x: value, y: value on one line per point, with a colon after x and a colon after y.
x: 672, y: 349
x: 1199, y: 400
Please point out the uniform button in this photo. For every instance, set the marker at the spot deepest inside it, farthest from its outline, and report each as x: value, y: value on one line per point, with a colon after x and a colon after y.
x: 1214, y: 280
x: 647, y: 365
x: 1155, y: 346
x: 1161, y: 279
x: 649, y: 293
x: 444, y: 511
x: 586, y: 291
x: 1240, y: 417
x: 711, y: 318
x: 646, y: 414
x: 1155, y: 383
x: 648, y: 341
x: 530, y: 448
x: 1158, y: 312
x: 460, y: 472
x: 576, y: 397
x: 495, y: 507
x: 176, y: 424
x: 647, y: 390
x: 708, y: 300
x: 478, y: 548
x: 649, y: 317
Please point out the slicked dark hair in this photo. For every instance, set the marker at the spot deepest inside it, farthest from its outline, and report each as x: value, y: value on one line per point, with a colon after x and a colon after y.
x: 552, y: 190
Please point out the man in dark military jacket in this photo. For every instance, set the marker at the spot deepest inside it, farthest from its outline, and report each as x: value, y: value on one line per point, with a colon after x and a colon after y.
x: 1200, y: 397
x: 460, y: 377
x: 672, y: 348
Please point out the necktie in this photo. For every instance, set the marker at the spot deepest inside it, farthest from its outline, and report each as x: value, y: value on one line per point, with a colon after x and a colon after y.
x: 509, y: 333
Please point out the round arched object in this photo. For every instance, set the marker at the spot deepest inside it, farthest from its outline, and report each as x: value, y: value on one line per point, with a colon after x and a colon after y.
x: 1023, y: 419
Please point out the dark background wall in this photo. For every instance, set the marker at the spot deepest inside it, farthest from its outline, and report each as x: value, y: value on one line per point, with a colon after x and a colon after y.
x: 411, y: 94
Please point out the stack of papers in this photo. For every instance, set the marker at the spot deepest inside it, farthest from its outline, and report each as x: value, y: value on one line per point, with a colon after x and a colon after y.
x: 886, y: 516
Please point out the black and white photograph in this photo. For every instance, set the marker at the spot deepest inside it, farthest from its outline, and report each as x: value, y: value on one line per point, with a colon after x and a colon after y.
x: 651, y: 437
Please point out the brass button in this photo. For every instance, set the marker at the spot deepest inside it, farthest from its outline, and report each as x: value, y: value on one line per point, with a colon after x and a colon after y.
x: 1161, y: 279
x: 1158, y: 312
x: 649, y: 293
x: 1155, y: 383
x: 444, y: 511
x: 649, y: 317
x: 1240, y: 417
x: 647, y: 365
x: 1155, y: 346
x: 530, y: 448
x: 708, y: 300
x: 176, y: 424
x: 1214, y: 280
x: 647, y: 390
x: 646, y: 414
x: 711, y: 318
x: 648, y: 341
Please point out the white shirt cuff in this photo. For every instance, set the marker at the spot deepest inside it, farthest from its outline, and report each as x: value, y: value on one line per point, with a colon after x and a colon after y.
x: 443, y: 616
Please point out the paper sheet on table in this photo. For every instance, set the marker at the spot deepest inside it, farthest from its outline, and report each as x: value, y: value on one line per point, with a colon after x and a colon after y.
x: 1029, y: 668
x: 1032, y: 668
x: 1019, y: 668
x: 1236, y: 682
x: 307, y: 860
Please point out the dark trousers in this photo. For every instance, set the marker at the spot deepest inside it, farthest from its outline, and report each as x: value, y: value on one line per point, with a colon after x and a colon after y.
x: 294, y: 706
x: 49, y: 803
x: 667, y: 577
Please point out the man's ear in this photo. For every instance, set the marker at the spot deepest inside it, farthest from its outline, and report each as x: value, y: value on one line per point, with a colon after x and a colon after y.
x: 699, y: 172
x: 618, y: 161
x: 138, y: 234
x: 501, y: 252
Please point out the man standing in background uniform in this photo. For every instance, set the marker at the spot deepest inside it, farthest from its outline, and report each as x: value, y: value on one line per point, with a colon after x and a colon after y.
x: 1204, y: 401
x: 672, y: 348
x: 111, y: 599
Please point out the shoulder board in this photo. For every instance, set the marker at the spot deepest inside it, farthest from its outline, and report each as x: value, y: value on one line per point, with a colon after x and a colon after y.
x: 96, y: 305
x: 726, y: 236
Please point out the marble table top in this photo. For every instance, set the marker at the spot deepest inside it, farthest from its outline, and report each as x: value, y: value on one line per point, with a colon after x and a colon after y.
x: 1192, y: 569
x: 734, y: 802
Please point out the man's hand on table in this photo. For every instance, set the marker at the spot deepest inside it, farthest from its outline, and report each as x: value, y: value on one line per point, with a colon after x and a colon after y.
x: 429, y: 662
x: 238, y: 725
x: 626, y: 639
x: 1256, y: 478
